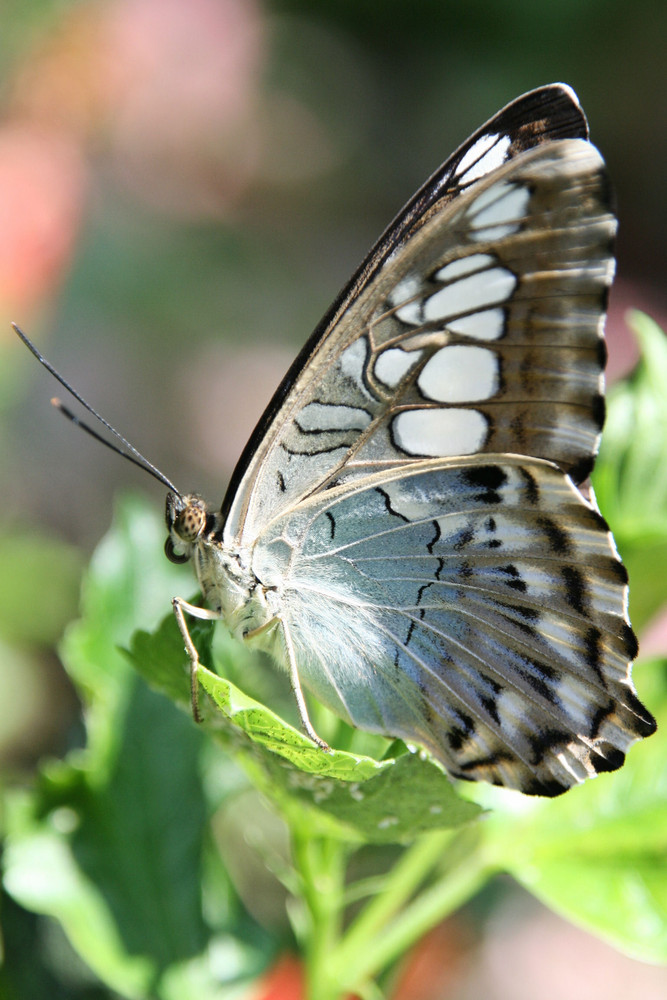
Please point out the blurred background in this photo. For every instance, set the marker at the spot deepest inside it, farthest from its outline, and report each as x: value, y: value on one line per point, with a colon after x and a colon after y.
x: 183, y: 190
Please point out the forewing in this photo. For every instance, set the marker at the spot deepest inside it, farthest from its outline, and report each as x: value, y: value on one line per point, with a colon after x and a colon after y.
x: 475, y: 607
x: 480, y: 332
x: 540, y: 116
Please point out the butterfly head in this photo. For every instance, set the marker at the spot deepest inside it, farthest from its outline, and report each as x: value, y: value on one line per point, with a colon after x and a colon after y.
x: 186, y: 518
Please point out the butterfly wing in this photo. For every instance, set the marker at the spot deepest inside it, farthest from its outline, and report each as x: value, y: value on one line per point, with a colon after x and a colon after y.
x: 476, y: 325
x: 542, y: 115
x: 409, y: 501
x: 476, y: 608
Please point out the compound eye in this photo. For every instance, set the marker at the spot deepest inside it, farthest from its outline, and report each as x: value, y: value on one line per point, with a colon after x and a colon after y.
x: 172, y: 555
x: 191, y: 521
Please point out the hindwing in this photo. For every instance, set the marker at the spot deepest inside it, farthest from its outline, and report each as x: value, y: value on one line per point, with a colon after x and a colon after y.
x: 473, y: 607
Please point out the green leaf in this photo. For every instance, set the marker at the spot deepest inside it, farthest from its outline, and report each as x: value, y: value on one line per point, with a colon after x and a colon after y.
x: 597, y: 854
x: 117, y: 857
x: 645, y: 562
x: 631, y: 470
x: 630, y: 475
x: 342, y: 794
x: 32, y: 610
x: 141, y: 832
x: 406, y: 799
x: 128, y: 583
x: 42, y: 875
x: 111, y: 842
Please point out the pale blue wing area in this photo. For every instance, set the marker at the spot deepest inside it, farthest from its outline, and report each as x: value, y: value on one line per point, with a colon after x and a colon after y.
x: 476, y: 607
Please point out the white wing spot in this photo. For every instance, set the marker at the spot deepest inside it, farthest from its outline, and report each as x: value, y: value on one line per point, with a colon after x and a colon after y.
x: 494, y: 233
x: 460, y: 374
x: 489, y: 197
x: 511, y: 708
x: 330, y: 417
x: 575, y: 695
x: 435, y: 433
x: 489, y: 324
x: 406, y: 289
x: 474, y: 292
x: 393, y: 364
x: 353, y: 359
x: 476, y: 151
x: 499, y: 211
x: 352, y: 364
x: 488, y: 153
x: 464, y: 265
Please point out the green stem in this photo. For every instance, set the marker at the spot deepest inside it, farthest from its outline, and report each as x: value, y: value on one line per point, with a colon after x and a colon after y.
x: 426, y: 912
x: 374, y: 943
x: 320, y: 863
x: 398, y: 886
x: 338, y: 964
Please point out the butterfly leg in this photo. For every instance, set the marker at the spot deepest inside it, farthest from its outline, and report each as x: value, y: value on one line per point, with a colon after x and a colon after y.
x: 295, y: 683
x: 180, y: 606
x: 298, y: 693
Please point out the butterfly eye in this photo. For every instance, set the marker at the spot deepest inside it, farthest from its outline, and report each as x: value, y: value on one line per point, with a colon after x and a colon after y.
x: 190, y: 523
x: 172, y: 555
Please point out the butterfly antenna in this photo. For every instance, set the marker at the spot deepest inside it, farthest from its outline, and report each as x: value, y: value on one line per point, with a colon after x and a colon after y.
x: 131, y: 454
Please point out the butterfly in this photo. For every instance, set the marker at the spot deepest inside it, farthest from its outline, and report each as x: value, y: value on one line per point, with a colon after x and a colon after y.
x: 409, y: 531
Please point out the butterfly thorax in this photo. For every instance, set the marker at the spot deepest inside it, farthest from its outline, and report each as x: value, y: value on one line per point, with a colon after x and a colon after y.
x: 227, y: 581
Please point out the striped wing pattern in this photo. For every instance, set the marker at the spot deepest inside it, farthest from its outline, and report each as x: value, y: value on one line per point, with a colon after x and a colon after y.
x: 404, y: 530
x: 476, y: 609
